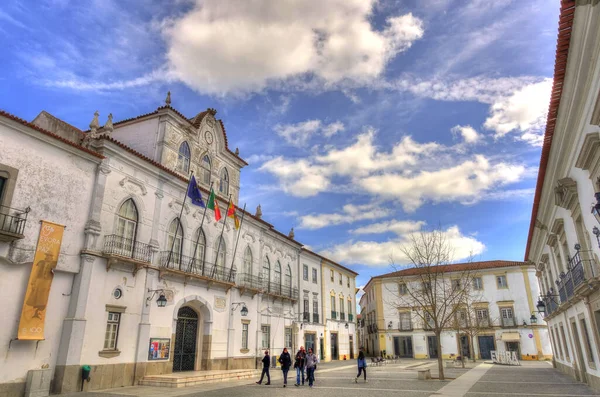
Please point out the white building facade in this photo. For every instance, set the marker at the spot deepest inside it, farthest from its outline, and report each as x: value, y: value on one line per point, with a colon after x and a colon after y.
x: 502, y: 302
x: 563, y: 236
x: 132, y: 239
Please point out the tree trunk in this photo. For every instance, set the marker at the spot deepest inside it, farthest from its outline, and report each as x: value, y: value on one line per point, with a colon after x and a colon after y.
x: 460, y: 351
x: 438, y: 337
x: 471, y: 346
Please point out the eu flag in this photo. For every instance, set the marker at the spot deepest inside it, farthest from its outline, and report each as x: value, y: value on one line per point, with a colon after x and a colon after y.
x: 194, y: 193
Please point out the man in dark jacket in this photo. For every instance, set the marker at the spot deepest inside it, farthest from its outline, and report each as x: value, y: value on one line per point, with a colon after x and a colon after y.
x: 299, y: 364
x: 286, y: 362
x: 266, y: 363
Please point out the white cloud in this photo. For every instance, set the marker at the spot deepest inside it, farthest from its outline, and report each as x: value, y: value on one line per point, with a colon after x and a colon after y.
x: 350, y: 213
x: 381, y: 254
x: 395, y: 226
x: 230, y: 46
x: 258, y: 158
x: 467, y: 132
x: 299, y: 134
x: 299, y: 178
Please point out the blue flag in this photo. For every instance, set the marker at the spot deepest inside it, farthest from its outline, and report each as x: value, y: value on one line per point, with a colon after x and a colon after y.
x: 194, y: 193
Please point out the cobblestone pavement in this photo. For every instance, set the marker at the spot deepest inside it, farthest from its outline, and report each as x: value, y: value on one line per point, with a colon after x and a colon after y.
x: 337, y: 379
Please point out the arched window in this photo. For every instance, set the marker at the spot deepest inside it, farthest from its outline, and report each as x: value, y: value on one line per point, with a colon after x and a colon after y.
x: 248, y: 261
x: 266, y: 272
x: 206, y: 170
x: 277, y: 276
x: 127, y: 221
x: 224, y: 182
x: 175, y: 240
x: 288, y: 277
x: 183, y: 161
x: 199, y: 249
x: 220, y: 256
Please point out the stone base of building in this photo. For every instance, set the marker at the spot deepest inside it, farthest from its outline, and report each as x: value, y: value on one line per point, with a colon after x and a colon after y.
x: 592, y: 381
x: 12, y: 389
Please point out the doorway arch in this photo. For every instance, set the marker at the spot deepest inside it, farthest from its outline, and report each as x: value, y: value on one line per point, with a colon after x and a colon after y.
x: 192, y: 329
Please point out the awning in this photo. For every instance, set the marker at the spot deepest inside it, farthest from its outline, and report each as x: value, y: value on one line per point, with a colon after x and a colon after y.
x: 511, y: 337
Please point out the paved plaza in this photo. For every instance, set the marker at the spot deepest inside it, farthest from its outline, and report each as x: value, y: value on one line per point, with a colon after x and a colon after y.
x: 400, y: 379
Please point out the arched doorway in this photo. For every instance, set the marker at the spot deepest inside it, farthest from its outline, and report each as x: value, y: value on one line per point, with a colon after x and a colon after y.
x: 186, y: 338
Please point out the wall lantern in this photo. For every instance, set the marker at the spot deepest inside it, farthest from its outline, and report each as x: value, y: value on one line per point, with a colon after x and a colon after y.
x: 533, y: 319
x: 390, y: 325
x: 162, y: 299
x: 243, y: 311
x: 346, y: 325
x: 596, y: 207
x: 541, y: 307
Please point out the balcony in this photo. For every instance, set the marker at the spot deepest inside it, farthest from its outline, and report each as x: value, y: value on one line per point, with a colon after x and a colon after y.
x: 248, y: 281
x: 279, y: 290
x: 306, y: 317
x: 509, y: 322
x: 316, y: 318
x: 350, y: 317
x: 12, y: 223
x: 342, y: 316
x: 120, y: 249
x: 334, y: 315
x: 551, y: 305
x: 405, y: 326
x: 195, y: 268
x: 574, y: 277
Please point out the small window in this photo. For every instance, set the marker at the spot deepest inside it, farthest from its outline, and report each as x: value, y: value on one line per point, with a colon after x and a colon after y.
x: 508, y: 319
x: 348, y: 281
x: 224, y: 182
x: 501, y: 281
x: 314, y: 275
x: 288, y: 337
x: 266, y: 336
x: 331, y: 275
x: 315, y: 306
x: 455, y: 285
x: 2, y: 185
x: 340, y: 278
x: 206, y: 170
x: 483, y: 317
x: 350, y: 306
x: 305, y: 272
x: 244, y: 336
x: 112, y: 331
x: 477, y: 283
x: 117, y: 293
x: 183, y: 161
x: 342, y: 305
x: 402, y: 289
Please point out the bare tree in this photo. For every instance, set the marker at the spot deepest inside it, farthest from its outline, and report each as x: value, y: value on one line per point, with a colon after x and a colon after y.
x: 471, y: 320
x: 432, y: 287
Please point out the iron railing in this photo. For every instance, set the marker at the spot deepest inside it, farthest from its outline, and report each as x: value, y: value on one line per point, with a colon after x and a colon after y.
x: 260, y: 283
x: 196, y: 266
x: 551, y: 305
x: 249, y: 281
x: 13, y: 220
x: 350, y: 317
x: 316, y: 318
x: 127, y: 248
x: 333, y: 315
x: 570, y: 280
x: 306, y: 317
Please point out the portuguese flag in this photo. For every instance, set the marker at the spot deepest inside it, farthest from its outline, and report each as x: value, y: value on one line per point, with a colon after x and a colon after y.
x: 213, y: 205
x: 231, y: 214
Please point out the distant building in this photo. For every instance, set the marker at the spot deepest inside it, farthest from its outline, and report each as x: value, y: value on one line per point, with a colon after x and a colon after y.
x: 119, y: 189
x: 503, y: 300
x: 564, y: 233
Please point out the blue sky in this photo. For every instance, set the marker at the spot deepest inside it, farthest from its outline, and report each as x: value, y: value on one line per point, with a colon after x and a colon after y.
x: 362, y: 120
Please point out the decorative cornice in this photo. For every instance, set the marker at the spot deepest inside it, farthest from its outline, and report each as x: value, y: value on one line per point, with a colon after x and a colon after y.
x: 558, y: 226
x: 565, y: 194
x: 589, y: 153
x: 134, y: 181
x: 551, y: 241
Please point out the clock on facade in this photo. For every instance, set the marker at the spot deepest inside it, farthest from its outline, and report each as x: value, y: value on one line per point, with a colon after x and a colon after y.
x: 208, y: 136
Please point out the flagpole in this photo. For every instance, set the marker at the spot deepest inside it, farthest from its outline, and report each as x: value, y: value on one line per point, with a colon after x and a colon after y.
x: 237, y: 240
x: 178, y: 223
x: 198, y: 239
x: 220, y: 239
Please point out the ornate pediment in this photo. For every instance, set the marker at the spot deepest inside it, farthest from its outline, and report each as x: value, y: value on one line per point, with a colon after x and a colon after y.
x: 552, y: 239
x: 565, y: 194
x: 589, y: 156
x: 133, y: 185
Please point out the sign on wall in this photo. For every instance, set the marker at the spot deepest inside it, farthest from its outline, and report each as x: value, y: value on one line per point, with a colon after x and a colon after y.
x: 504, y: 357
x: 159, y: 349
x: 33, y: 314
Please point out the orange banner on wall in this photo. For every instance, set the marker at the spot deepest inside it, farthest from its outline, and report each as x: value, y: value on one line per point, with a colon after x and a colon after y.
x: 33, y: 315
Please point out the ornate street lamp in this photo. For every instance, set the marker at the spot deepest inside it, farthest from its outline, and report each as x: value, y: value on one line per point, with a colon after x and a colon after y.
x: 243, y: 311
x: 162, y: 299
x: 533, y: 319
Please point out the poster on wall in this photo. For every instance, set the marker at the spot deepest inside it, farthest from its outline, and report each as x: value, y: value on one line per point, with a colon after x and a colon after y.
x: 159, y: 349
x: 33, y: 314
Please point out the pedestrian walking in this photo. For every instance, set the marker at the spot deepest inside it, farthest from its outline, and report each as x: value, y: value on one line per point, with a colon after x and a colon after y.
x: 266, y: 363
x: 286, y: 362
x: 362, y: 366
x: 300, y: 365
x: 311, y: 366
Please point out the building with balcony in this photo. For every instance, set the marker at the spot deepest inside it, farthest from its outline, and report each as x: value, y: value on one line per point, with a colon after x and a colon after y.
x: 564, y: 232
x: 133, y: 240
x: 496, y: 316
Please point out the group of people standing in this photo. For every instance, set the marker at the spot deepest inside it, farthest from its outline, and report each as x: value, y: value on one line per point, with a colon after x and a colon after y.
x: 305, y: 364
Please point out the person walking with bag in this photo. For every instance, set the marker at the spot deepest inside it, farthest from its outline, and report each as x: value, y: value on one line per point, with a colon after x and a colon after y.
x: 300, y: 365
x: 311, y: 366
x: 362, y: 366
x: 286, y: 362
x: 266, y: 363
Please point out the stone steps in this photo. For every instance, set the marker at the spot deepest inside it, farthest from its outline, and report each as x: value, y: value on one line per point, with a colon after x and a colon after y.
x: 194, y: 378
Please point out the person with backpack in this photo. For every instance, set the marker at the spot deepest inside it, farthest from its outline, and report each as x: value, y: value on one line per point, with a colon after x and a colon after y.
x: 362, y: 366
x: 286, y: 362
x: 311, y: 366
x: 300, y: 365
x: 266, y: 363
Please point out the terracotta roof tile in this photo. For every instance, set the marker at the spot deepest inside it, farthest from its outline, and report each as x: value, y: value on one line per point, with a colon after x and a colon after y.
x: 48, y: 133
x: 565, y: 24
x: 455, y: 267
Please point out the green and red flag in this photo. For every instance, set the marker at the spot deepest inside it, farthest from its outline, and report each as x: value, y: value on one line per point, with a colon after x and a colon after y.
x: 213, y: 205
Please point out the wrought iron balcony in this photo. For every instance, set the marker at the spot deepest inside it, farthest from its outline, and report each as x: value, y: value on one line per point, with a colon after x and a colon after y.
x: 551, y: 304
x: 196, y: 267
x: 12, y: 223
x: 342, y: 316
x: 350, y: 317
x: 570, y: 280
x: 333, y: 315
x: 306, y: 317
x: 405, y: 326
x: 127, y: 249
x: 278, y: 289
x: 250, y: 281
x: 316, y: 318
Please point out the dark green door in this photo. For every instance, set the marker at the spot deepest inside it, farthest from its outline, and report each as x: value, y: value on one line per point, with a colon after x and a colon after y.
x: 186, y: 335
